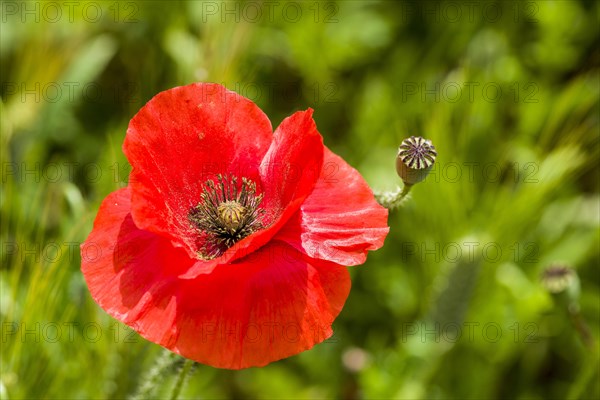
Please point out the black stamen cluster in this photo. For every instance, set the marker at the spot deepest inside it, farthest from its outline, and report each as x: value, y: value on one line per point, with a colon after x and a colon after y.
x: 227, y: 213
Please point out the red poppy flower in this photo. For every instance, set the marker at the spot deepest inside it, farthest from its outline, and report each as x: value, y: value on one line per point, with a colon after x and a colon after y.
x: 230, y: 243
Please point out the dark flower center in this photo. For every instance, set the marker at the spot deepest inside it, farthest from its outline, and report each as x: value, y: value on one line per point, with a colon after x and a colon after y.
x: 228, y: 212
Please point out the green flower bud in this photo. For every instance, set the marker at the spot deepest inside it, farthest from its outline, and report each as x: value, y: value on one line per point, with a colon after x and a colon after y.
x: 415, y: 159
x: 563, y: 283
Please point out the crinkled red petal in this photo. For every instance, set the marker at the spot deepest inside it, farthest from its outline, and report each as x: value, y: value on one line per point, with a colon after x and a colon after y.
x: 272, y: 304
x: 340, y: 221
x: 288, y: 174
x: 124, y: 266
x: 181, y: 138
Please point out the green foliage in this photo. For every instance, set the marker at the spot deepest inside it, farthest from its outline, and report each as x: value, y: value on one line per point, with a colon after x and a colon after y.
x: 451, y: 307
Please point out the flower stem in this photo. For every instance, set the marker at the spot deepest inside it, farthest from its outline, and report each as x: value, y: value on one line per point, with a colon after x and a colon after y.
x: 393, y: 199
x: 405, y: 189
x: 582, y: 328
x: 183, y: 374
x: 153, y: 378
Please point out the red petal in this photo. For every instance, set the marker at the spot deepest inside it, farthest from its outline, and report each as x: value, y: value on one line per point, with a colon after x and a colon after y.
x: 181, y: 138
x: 124, y: 266
x: 268, y: 306
x: 340, y: 221
x: 288, y: 175
x: 272, y: 304
x: 291, y: 167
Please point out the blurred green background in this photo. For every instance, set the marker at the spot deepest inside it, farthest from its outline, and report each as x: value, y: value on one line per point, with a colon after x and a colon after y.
x: 451, y: 307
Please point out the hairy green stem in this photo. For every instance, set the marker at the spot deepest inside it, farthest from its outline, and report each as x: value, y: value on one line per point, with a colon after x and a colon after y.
x: 183, y: 374
x: 393, y: 199
x: 153, y: 378
x: 582, y: 328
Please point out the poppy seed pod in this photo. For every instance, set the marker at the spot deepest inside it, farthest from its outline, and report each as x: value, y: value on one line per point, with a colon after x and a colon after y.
x: 562, y: 282
x: 415, y: 159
